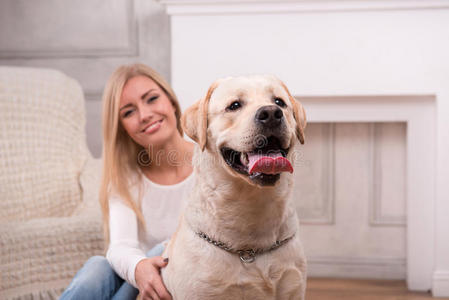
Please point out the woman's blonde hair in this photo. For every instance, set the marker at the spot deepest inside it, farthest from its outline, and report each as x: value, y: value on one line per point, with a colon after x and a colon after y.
x: 120, y: 152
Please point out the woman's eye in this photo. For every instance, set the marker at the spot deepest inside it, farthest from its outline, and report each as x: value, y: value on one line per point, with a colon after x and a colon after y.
x: 280, y: 102
x: 127, y: 113
x: 151, y: 99
x: 234, y: 105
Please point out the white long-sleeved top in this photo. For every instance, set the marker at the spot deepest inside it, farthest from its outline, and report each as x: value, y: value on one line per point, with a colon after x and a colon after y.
x: 161, y: 207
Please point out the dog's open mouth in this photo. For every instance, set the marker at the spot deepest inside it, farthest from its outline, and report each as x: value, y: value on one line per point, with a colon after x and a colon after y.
x: 263, y: 164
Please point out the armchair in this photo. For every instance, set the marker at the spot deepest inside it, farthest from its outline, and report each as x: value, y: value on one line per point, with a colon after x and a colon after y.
x: 50, y: 219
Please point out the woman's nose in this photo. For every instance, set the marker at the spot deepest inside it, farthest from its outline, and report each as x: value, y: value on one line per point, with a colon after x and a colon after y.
x: 144, y: 114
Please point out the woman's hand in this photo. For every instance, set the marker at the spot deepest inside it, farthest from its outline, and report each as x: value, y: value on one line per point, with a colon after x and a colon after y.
x: 149, y: 280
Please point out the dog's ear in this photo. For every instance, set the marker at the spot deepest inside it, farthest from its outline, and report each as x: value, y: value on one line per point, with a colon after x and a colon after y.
x: 194, y: 119
x: 189, y: 121
x: 300, y: 115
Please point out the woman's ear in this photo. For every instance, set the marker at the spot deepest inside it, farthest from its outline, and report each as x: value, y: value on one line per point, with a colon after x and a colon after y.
x: 300, y: 115
x: 194, y: 119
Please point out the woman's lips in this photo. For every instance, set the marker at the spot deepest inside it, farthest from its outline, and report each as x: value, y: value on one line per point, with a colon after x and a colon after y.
x: 153, y: 127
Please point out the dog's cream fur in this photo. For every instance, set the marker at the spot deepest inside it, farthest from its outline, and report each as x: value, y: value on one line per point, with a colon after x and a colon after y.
x: 230, y: 207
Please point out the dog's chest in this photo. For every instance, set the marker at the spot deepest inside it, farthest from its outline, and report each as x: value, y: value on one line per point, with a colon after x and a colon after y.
x: 228, y: 278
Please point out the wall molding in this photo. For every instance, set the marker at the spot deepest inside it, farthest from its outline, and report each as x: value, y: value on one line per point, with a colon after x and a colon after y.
x: 440, y: 284
x: 327, y: 216
x: 132, y: 48
x: 354, y: 267
x: 377, y: 218
x: 224, y: 7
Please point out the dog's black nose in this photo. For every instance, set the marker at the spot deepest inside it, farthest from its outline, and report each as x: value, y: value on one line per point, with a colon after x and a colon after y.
x: 269, y: 116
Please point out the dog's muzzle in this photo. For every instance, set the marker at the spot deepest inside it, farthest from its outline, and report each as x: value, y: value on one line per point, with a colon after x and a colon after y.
x: 268, y: 159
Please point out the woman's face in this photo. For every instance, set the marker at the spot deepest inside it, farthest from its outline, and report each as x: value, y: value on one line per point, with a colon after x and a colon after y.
x: 146, y: 112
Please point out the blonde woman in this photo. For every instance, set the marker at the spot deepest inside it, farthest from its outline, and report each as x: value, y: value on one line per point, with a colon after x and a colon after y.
x: 147, y: 172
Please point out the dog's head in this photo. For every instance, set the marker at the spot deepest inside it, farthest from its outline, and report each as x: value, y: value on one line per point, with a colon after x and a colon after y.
x: 250, y: 123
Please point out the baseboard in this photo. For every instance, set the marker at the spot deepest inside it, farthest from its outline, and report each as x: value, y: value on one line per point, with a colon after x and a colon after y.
x: 440, y: 284
x: 348, y: 267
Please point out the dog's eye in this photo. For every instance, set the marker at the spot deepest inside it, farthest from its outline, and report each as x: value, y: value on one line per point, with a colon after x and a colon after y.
x: 280, y: 102
x: 234, y: 105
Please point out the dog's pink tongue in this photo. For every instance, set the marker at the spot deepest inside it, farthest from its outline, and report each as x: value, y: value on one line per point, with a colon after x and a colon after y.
x: 272, y: 163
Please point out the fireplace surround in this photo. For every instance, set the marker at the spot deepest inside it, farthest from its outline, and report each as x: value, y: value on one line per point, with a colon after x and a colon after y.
x: 347, y: 61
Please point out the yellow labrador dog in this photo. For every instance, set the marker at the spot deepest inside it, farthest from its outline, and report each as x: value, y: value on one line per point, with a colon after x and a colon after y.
x: 238, y: 237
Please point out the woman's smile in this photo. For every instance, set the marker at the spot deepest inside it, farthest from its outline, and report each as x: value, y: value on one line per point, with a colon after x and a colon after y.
x: 153, y: 127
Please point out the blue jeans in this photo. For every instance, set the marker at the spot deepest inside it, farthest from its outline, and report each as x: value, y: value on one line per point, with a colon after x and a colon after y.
x: 97, y: 280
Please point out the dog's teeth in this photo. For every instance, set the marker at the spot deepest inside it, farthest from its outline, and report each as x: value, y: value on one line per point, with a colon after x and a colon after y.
x: 244, y: 158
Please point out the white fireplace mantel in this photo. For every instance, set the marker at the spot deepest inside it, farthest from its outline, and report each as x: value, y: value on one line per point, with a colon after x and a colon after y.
x: 220, y: 7
x: 348, y: 61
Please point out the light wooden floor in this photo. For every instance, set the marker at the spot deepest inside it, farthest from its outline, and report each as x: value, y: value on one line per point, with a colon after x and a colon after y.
x: 348, y: 289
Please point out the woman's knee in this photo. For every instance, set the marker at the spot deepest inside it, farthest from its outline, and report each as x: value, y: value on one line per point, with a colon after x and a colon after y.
x: 98, y: 266
x: 97, y: 261
x: 94, y: 280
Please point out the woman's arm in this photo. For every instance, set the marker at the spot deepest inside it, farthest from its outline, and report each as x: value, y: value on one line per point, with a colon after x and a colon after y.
x: 127, y: 258
x: 124, y: 251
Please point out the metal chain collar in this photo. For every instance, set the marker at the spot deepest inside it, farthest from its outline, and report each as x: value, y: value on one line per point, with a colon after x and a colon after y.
x: 246, y: 255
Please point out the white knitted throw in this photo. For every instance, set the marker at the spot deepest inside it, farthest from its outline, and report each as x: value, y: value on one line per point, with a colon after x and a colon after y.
x: 50, y: 221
